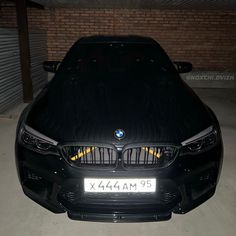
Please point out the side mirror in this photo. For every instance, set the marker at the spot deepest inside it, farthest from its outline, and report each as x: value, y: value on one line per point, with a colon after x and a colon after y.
x: 51, y: 66
x: 183, y: 67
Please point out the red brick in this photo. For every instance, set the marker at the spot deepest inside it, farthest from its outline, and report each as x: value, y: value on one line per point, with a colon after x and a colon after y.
x: 206, y: 38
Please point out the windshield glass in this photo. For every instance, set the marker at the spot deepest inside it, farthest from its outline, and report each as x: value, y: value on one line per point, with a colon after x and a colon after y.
x: 116, y: 57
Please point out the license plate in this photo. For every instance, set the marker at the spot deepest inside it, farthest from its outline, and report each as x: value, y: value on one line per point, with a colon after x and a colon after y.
x: 107, y: 185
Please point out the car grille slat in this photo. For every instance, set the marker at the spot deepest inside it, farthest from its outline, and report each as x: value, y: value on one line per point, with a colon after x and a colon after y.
x: 93, y: 158
x: 82, y: 156
x: 158, y: 156
x: 153, y: 158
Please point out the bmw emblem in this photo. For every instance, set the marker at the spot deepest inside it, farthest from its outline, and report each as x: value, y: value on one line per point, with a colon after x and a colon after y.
x: 119, y: 134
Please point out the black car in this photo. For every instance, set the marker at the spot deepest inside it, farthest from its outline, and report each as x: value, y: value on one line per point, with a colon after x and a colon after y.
x: 118, y: 136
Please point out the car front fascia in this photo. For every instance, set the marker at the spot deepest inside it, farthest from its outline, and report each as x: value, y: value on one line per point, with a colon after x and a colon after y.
x: 59, y: 173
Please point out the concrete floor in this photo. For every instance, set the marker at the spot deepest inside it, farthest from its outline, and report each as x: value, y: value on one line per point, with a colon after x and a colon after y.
x: 20, y: 216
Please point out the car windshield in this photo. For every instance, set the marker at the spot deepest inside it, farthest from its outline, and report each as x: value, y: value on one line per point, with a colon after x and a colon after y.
x: 116, y: 57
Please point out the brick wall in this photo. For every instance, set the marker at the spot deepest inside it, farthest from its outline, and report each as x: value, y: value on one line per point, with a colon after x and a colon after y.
x: 206, y: 38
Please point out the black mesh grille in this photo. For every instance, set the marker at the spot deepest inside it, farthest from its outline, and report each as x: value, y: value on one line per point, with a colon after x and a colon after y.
x: 150, y: 157
x: 73, y: 197
x: 90, y: 156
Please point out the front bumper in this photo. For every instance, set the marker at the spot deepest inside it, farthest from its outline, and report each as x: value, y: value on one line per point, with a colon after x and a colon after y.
x: 53, y: 183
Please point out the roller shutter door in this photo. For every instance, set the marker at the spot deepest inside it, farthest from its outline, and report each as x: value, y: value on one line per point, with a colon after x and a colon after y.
x: 38, y: 54
x: 11, y: 91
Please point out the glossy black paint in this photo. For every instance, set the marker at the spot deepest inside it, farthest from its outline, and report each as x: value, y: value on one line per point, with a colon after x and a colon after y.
x: 150, y: 107
x: 183, y: 67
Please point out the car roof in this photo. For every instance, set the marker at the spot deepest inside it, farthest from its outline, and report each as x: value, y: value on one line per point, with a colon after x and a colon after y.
x: 116, y: 39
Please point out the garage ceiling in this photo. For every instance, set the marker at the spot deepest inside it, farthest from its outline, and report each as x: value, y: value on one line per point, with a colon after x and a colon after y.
x: 176, y: 4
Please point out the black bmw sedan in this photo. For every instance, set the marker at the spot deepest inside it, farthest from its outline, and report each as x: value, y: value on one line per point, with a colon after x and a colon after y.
x: 117, y: 136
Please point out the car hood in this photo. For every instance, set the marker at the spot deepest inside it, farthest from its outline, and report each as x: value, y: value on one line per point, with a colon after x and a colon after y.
x: 157, y: 109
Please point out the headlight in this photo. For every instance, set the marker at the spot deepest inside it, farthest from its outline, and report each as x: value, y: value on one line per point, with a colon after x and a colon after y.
x: 200, y: 142
x: 37, y: 142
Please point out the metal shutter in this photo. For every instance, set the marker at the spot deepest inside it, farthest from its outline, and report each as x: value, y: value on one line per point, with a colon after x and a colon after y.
x: 10, y: 70
x: 11, y: 91
x: 38, y: 54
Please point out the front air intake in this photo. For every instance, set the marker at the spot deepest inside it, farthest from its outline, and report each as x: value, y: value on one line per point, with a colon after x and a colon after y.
x: 158, y: 156
x: 89, y: 156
